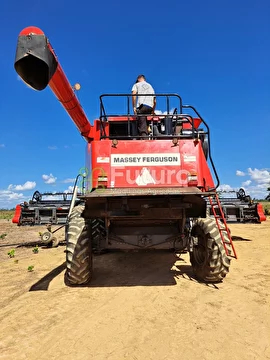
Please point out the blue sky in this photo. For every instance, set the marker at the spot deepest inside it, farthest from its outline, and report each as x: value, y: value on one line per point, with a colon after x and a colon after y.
x: 215, y: 54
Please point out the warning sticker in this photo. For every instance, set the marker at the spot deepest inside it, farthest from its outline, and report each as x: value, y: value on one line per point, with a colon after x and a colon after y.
x: 145, y: 178
x: 169, y: 159
x: 189, y: 158
x: 103, y: 159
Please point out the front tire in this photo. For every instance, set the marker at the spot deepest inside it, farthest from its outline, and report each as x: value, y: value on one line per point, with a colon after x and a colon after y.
x: 208, y: 256
x: 79, y: 249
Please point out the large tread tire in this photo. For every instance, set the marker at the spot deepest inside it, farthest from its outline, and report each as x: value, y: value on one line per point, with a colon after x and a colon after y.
x: 208, y: 256
x: 79, y: 249
x: 98, y: 233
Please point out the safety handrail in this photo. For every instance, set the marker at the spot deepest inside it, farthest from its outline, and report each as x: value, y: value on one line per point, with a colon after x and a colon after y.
x: 209, y: 145
x: 183, y: 117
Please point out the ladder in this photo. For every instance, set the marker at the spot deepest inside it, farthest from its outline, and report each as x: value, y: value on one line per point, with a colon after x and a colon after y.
x: 222, y: 225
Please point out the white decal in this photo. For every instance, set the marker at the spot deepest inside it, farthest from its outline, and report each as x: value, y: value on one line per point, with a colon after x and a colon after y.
x: 103, y: 159
x: 145, y: 178
x: 169, y: 159
x: 189, y: 158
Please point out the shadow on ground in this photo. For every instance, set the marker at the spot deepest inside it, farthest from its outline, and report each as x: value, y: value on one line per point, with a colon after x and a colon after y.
x: 239, y: 238
x: 116, y: 269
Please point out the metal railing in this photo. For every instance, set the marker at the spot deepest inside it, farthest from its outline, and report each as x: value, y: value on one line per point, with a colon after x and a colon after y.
x: 174, y: 118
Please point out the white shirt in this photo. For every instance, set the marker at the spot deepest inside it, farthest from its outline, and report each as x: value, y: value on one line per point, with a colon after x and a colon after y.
x: 142, y: 87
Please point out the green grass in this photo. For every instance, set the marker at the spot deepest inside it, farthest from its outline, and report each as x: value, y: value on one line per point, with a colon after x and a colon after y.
x: 6, y: 214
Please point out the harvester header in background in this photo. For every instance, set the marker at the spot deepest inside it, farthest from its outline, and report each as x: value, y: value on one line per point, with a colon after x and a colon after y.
x: 38, y: 66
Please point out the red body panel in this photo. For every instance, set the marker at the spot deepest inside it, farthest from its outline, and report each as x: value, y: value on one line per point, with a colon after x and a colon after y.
x: 31, y: 30
x: 17, y: 214
x: 260, y: 212
x: 150, y: 164
x: 196, y: 121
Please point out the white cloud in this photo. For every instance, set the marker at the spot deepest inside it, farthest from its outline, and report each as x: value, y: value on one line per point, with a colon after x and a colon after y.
x: 256, y: 192
x: 246, y: 183
x: 257, y: 184
x: 240, y: 173
x: 260, y: 176
x: 49, y: 179
x: 159, y: 112
x: 28, y: 185
x: 2, y: 145
x: 69, y: 180
x: 15, y: 196
x: 69, y: 189
x: 9, y: 195
x: 52, y: 147
x: 9, y: 199
x: 263, y: 186
x: 225, y: 187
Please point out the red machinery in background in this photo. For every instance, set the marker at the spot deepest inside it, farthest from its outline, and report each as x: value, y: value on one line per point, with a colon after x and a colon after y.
x: 44, y: 208
x: 239, y: 207
x: 141, y: 193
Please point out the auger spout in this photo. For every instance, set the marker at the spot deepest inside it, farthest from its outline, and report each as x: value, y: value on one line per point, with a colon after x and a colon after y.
x: 38, y: 66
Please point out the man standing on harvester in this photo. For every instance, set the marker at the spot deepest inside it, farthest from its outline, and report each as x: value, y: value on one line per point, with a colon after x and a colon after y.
x: 146, y: 103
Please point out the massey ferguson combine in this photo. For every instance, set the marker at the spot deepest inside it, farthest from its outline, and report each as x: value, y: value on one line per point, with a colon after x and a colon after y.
x: 141, y: 193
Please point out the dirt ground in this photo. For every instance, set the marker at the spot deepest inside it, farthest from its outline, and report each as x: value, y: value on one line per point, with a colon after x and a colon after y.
x: 139, y: 306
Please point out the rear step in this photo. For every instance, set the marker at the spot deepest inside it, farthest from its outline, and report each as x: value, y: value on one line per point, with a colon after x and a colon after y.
x: 145, y: 191
x: 220, y: 220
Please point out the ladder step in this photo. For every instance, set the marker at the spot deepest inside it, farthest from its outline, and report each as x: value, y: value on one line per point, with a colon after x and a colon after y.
x: 216, y: 207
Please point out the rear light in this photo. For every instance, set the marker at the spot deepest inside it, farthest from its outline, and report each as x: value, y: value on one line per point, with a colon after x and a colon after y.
x: 102, y: 182
x: 192, y: 179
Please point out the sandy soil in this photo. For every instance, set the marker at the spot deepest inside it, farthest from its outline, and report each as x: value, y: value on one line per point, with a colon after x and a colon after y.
x: 138, y: 306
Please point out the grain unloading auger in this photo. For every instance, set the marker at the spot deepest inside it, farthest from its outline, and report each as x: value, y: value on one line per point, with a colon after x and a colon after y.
x: 141, y: 193
x: 37, y: 65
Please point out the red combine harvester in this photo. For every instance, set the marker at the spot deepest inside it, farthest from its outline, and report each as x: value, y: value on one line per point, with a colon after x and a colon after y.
x: 141, y: 193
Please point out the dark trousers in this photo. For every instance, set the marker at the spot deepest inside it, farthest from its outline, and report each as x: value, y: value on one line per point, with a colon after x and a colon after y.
x: 142, y: 120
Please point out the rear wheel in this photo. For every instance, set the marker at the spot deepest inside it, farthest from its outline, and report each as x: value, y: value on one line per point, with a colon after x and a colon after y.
x: 79, y: 250
x: 208, y: 257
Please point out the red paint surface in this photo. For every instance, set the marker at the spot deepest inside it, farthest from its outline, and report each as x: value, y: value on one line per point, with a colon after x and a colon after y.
x: 192, y: 162
x: 17, y: 214
x: 260, y: 212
